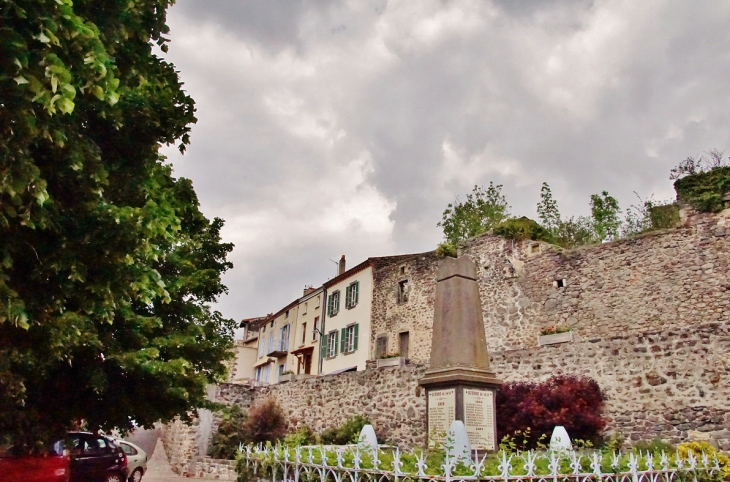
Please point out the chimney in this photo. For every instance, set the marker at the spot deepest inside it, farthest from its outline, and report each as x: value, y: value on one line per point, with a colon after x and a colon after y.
x: 342, y: 265
x: 307, y: 290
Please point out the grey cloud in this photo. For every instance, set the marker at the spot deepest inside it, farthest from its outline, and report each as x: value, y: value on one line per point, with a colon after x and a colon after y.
x: 584, y: 95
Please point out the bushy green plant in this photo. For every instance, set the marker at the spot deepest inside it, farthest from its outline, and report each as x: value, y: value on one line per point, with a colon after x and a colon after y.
x: 347, y: 433
x: 230, y: 433
x: 522, y: 228
x: 654, y: 446
x: 482, y: 210
x: 705, y: 191
x: 446, y: 249
x: 301, y: 436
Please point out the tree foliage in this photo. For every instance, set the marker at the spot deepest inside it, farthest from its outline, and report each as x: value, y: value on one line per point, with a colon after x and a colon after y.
x: 482, y: 210
x: 107, y: 265
x: 534, y: 409
x: 522, y: 228
x: 547, y: 209
x: 605, y: 212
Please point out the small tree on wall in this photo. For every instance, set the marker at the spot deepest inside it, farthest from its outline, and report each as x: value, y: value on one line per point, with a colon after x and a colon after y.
x: 534, y: 409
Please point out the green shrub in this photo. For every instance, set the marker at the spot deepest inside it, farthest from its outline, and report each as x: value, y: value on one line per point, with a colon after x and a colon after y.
x: 446, y: 249
x: 231, y: 432
x: 664, y: 216
x: 347, y: 433
x: 522, y: 228
x: 655, y: 446
x: 301, y: 436
x: 705, y: 191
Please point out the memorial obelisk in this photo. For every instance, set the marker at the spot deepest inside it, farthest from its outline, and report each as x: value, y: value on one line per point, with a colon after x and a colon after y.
x: 459, y: 384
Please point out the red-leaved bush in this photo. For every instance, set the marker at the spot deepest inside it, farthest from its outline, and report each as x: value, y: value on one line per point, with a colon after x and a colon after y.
x: 571, y: 401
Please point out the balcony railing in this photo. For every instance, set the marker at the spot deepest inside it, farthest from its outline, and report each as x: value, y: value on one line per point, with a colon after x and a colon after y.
x: 278, y: 347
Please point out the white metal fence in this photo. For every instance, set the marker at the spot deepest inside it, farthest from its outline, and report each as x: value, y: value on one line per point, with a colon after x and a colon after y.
x: 353, y: 464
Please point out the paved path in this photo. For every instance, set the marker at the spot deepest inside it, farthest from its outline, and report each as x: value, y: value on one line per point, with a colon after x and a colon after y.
x: 158, y: 467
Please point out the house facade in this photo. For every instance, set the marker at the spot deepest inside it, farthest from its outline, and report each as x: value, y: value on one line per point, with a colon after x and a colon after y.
x: 275, y: 340
x: 347, y: 315
x: 304, y: 356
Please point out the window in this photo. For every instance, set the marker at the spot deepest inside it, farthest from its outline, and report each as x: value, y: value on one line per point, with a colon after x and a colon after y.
x: 329, y: 344
x: 284, y: 335
x: 403, y: 342
x: 304, y: 333
x: 560, y: 283
x: 262, y: 346
x: 317, y: 305
x: 381, y: 346
x: 403, y: 291
x: 402, y: 270
x: 280, y: 371
x: 128, y: 449
x: 314, y: 329
x: 349, y: 339
x: 271, y: 341
x: 272, y: 324
x: 287, y: 314
x: 352, y: 294
x: 333, y: 303
x: 304, y: 309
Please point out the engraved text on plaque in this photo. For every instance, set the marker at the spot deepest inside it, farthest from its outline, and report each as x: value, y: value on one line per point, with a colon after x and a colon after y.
x: 441, y: 412
x: 479, y: 418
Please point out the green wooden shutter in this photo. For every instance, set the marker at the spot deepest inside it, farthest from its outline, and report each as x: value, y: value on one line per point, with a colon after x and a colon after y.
x: 337, y: 303
x: 335, y: 341
x: 357, y: 332
x: 355, y: 293
x: 343, y: 341
x: 323, y: 346
x: 348, y: 296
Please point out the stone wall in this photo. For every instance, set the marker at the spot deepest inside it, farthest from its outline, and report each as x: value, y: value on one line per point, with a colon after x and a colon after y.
x: 671, y: 383
x: 674, y: 278
x: 389, y: 397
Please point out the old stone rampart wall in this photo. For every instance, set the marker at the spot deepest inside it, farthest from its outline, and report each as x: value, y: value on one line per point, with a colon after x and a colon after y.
x: 671, y: 383
x: 674, y: 278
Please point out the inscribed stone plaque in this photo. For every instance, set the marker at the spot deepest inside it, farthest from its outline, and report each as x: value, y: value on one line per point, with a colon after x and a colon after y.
x: 479, y: 418
x: 441, y: 412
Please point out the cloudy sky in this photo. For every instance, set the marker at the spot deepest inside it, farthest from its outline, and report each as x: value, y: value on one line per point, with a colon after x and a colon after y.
x: 345, y: 127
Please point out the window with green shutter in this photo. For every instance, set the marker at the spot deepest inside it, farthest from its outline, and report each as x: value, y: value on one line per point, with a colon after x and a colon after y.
x: 332, y: 344
x: 350, y: 335
x: 323, y: 347
x: 352, y: 294
x: 333, y: 303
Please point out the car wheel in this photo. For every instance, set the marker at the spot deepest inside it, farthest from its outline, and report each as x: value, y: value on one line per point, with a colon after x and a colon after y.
x: 113, y: 478
x: 136, y: 476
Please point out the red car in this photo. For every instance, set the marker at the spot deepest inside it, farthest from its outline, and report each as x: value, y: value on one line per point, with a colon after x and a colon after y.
x: 51, y: 467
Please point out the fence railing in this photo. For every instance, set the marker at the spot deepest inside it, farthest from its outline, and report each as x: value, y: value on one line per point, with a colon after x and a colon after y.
x: 355, y: 464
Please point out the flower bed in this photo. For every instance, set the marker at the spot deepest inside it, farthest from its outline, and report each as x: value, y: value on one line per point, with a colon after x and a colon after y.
x: 354, y: 464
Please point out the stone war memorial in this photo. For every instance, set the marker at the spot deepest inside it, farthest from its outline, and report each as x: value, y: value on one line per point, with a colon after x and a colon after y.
x: 459, y: 384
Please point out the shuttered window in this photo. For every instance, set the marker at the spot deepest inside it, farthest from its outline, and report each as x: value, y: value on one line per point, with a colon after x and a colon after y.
x: 349, y: 338
x: 352, y: 294
x: 333, y: 303
x: 329, y: 344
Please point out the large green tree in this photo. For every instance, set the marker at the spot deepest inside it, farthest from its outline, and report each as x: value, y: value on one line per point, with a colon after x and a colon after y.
x: 107, y: 266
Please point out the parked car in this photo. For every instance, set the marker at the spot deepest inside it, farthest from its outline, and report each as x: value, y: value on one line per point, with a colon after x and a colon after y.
x: 51, y: 466
x: 136, y: 460
x: 96, y: 458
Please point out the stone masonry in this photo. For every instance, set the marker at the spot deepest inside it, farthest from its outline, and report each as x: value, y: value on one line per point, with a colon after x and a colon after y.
x: 673, y: 278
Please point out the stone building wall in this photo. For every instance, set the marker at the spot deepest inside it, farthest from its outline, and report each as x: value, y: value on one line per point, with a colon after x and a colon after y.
x: 674, y: 278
